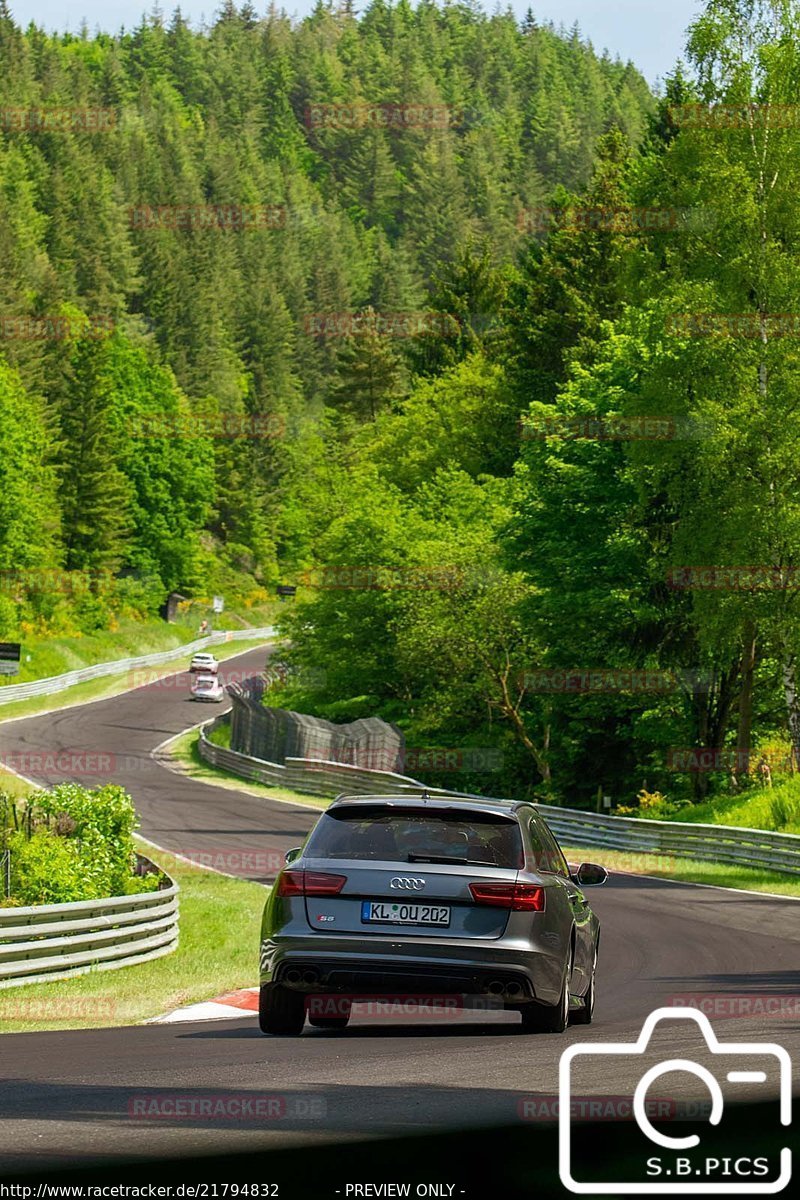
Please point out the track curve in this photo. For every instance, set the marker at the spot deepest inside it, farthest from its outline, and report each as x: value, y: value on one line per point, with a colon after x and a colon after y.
x: 69, y: 1096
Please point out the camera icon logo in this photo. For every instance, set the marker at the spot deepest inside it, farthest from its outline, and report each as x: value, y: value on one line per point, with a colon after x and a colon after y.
x: 678, y: 1172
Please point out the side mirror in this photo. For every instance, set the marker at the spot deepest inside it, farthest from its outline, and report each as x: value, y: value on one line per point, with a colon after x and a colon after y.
x: 590, y: 875
x: 292, y: 854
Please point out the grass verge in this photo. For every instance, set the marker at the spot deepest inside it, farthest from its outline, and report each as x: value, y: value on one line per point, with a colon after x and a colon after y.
x: 109, y: 685
x: 684, y: 870
x: 774, y: 808
x: 185, y: 754
x: 217, y: 953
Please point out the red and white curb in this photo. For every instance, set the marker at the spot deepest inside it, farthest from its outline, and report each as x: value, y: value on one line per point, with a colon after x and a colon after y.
x: 230, y: 1007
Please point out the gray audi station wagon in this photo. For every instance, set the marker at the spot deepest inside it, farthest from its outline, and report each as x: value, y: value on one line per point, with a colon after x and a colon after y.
x: 410, y: 896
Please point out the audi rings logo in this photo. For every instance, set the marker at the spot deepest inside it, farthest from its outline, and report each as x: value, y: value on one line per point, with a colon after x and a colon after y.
x: 407, y: 885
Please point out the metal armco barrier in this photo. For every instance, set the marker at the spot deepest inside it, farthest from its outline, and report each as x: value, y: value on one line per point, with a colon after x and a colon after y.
x: 57, y: 941
x: 708, y: 843
x: 755, y: 848
x: 57, y: 683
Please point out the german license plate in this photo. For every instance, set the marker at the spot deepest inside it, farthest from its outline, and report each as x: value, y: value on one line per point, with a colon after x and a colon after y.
x: 382, y: 912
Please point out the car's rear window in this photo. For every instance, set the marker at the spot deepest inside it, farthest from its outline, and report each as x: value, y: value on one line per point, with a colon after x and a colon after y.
x: 412, y: 835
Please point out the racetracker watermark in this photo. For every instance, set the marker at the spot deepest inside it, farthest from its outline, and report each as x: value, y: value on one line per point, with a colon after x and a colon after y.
x: 59, y: 764
x: 611, y: 220
x: 733, y: 325
x: 700, y: 759
x: 54, y: 1010
x: 283, y: 674
x: 463, y: 758
x: 218, y: 218
x: 57, y: 120
x: 401, y: 1008
x: 735, y: 116
x: 383, y: 578
x: 54, y: 328
x: 166, y: 680
x: 739, y: 1005
x: 734, y: 579
x: 387, y: 116
x: 208, y: 425
x: 607, y: 429
x: 22, y: 581
x: 558, y: 681
x: 257, y: 862
x: 628, y: 863
x: 419, y: 758
x: 599, y: 1108
x: 391, y: 324
x: 226, y: 1106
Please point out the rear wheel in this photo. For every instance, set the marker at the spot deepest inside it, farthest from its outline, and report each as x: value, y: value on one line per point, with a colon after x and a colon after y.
x: 548, y: 1018
x: 584, y: 1015
x: 280, y: 1011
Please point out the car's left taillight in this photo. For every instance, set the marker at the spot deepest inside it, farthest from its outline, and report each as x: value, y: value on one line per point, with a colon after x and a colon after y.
x: 518, y: 897
x: 309, y: 883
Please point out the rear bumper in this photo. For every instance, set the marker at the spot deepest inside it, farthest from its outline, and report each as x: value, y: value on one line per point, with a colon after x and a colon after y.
x: 491, y: 969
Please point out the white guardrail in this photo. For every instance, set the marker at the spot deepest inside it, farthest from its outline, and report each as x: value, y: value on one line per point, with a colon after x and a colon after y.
x: 57, y: 941
x: 57, y: 683
x: 754, y: 848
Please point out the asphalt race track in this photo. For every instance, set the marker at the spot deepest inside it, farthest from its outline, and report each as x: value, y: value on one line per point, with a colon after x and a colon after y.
x: 78, y: 1096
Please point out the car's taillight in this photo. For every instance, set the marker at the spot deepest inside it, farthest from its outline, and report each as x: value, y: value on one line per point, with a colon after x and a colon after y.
x: 309, y: 883
x: 290, y: 883
x: 519, y: 897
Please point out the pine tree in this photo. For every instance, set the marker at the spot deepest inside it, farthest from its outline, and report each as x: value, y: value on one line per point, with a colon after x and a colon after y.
x: 368, y: 372
x: 95, y: 495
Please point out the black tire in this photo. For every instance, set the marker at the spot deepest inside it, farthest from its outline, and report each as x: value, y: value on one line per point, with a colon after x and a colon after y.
x: 585, y: 1014
x: 548, y: 1018
x: 280, y: 1011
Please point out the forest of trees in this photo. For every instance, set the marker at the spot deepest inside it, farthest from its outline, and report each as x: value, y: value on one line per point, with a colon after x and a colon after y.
x: 186, y: 402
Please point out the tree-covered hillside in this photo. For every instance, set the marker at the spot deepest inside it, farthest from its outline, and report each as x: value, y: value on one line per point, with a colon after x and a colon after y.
x: 178, y: 206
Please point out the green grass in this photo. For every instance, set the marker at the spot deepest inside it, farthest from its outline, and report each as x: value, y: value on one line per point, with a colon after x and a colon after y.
x: 109, y: 685
x: 685, y: 870
x: 185, y: 754
x: 217, y: 953
x: 12, y: 785
x: 46, y: 656
x: 221, y: 736
x: 776, y: 808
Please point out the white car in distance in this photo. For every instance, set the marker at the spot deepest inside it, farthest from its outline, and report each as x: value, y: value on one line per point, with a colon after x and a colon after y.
x: 208, y: 687
x: 204, y: 664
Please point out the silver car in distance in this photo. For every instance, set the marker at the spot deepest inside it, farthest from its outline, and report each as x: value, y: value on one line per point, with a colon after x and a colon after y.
x: 402, y: 895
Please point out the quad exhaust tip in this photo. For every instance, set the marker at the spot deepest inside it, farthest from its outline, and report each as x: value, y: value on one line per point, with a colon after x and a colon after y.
x: 513, y: 990
x: 295, y: 975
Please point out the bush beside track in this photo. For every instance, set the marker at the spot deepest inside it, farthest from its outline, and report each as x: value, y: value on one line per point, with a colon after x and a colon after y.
x: 217, y: 952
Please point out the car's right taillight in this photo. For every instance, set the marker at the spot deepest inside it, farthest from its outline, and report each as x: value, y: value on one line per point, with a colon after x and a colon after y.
x: 518, y: 897
x: 309, y: 883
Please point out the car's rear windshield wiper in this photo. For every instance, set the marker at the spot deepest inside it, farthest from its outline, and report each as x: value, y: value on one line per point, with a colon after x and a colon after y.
x: 449, y: 858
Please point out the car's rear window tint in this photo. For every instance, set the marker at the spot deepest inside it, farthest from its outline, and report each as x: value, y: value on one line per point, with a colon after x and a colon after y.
x: 397, y: 835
